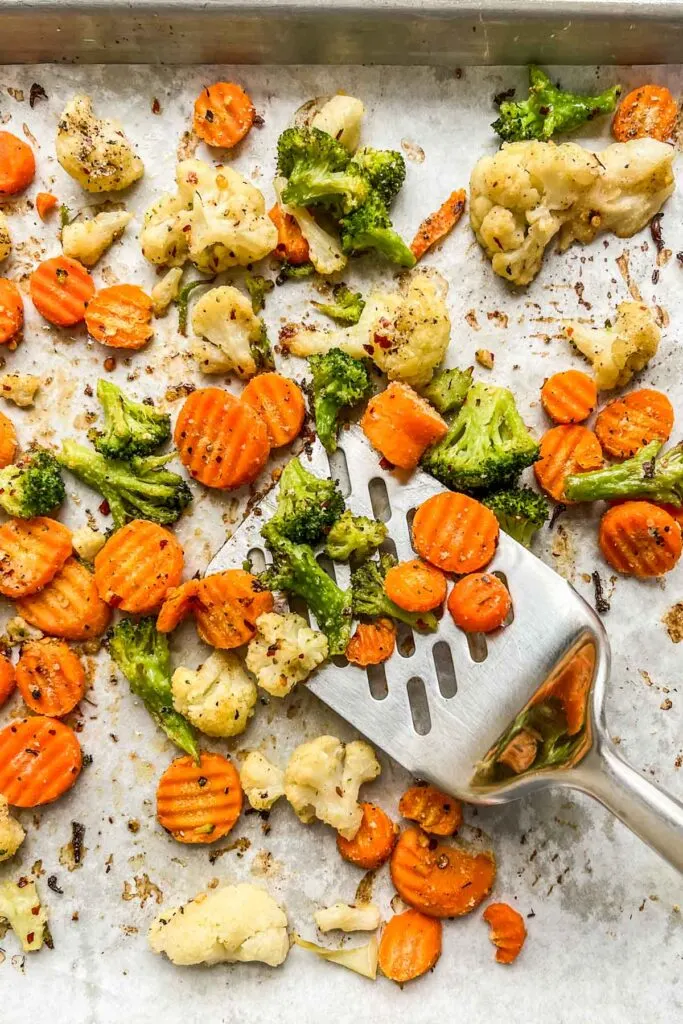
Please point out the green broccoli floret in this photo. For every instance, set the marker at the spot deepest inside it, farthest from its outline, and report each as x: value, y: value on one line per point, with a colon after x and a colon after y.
x: 319, y: 171
x: 646, y: 475
x: 354, y: 537
x: 370, y: 228
x: 261, y: 351
x: 258, y: 287
x: 294, y: 271
x: 487, y: 445
x: 130, y: 428
x: 346, y: 308
x: 386, y: 170
x: 520, y: 511
x: 295, y: 570
x: 306, y: 504
x: 369, y: 598
x: 550, y: 111
x: 32, y: 487
x: 448, y: 390
x: 339, y: 381
x: 139, y: 489
x: 142, y: 655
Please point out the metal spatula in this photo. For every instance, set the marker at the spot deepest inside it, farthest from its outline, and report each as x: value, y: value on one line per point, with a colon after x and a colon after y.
x: 480, y: 717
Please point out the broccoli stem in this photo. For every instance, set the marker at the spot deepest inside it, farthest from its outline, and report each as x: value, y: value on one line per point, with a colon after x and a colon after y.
x: 643, y: 476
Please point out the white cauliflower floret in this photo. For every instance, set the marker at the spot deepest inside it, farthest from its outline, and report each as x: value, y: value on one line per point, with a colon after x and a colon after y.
x: 88, y: 240
x: 5, y: 239
x: 165, y: 232
x: 234, y: 923
x: 348, y: 918
x: 323, y: 778
x: 12, y: 834
x: 263, y: 782
x: 166, y: 290
x: 19, y: 388
x: 226, y: 329
x: 284, y: 652
x: 619, y: 351
x: 324, y: 249
x: 360, y: 959
x: 20, y: 906
x: 341, y: 117
x: 217, y: 698
x: 95, y: 151
x: 87, y: 542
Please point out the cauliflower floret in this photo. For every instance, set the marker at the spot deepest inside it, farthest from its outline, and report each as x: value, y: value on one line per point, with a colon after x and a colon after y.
x: 166, y: 290
x: 217, y: 698
x: 262, y: 781
x: 230, y: 924
x: 87, y: 542
x: 20, y: 905
x: 284, y: 652
x: 19, y: 388
x: 348, y: 918
x: 226, y: 328
x: 95, y: 151
x: 619, y: 351
x: 324, y: 249
x: 12, y: 834
x: 88, y: 240
x: 165, y: 232
x: 341, y: 117
x: 361, y: 959
x: 5, y: 239
x: 323, y: 778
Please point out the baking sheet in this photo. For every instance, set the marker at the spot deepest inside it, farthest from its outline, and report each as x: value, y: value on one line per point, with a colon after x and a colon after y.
x: 604, y: 924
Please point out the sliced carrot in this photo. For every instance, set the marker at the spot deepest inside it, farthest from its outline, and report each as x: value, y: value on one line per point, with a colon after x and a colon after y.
x: 455, y: 533
x: 508, y: 931
x: 566, y: 450
x: 372, y: 643
x: 626, y: 425
x: 45, y: 203
x: 50, y: 677
x: 178, y: 604
x: 8, y: 444
x: 8, y: 679
x: 280, y: 403
x: 401, y: 425
x: 440, y: 880
x: 137, y: 567
x: 434, y: 811
x: 291, y: 246
x: 479, y: 603
x: 640, y: 539
x: 438, y: 224
x: 415, y: 586
x: 40, y: 759
x: 32, y: 551
x: 569, y: 397
x: 675, y: 511
x: 69, y: 606
x: 199, y: 803
x: 374, y: 841
x: 222, y: 442
x: 17, y: 164
x: 11, y: 310
x: 223, y: 114
x: 61, y: 289
x: 649, y: 110
x: 225, y: 606
x: 120, y: 317
x: 571, y: 687
x: 410, y: 946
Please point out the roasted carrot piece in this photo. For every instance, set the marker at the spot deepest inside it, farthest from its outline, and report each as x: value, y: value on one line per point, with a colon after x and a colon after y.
x: 69, y: 606
x: 120, y: 317
x: 8, y: 679
x: 675, y: 511
x: 440, y: 880
x: 569, y: 397
x: 626, y: 425
x: 508, y: 931
x: 8, y: 444
x: 17, y: 164
x: 280, y: 403
x: 61, y: 289
x: 291, y: 246
x: 372, y: 643
x: 640, y: 539
x: 11, y: 310
x: 410, y: 946
x: 40, y: 759
x: 222, y: 442
x: 479, y: 603
x: 434, y: 811
x: 401, y: 425
x: 223, y: 114
x: 199, y: 803
x: 32, y: 551
x: 649, y: 110
x: 45, y: 203
x: 566, y: 450
x: 50, y: 677
x: 373, y: 842
x: 225, y: 606
x: 415, y: 586
x: 178, y: 604
x: 438, y: 224
x: 455, y: 533
x: 571, y: 687
x: 137, y: 567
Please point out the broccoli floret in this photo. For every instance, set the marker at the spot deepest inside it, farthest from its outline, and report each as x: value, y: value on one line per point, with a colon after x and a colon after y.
x: 32, y: 487
x: 306, y: 504
x: 386, y: 170
x: 130, y: 428
x: 354, y: 537
x: 487, y: 445
x: 261, y: 352
x: 519, y: 511
x: 294, y: 271
x: 644, y: 476
x: 319, y: 171
x: 369, y: 598
x: 550, y: 111
x: 139, y: 489
x: 346, y: 307
x: 339, y: 381
x: 370, y: 228
x: 142, y: 655
x: 448, y: 390
x: 295, y: 570
x: 258, y: 287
